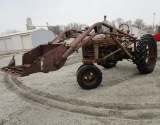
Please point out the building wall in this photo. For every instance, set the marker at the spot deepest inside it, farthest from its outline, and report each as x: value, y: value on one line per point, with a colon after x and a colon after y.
x: 137, y: 32
x: 26, y: 41
x: 141, y: 33
x: 6, y: 44
x: 134, y: 30
x: 17, y: 42
x: 41, y: 36
x: 9, y: 44
x: 2, y: 45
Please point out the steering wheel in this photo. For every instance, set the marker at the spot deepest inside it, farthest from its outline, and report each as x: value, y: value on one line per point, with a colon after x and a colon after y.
x: 124, y: 27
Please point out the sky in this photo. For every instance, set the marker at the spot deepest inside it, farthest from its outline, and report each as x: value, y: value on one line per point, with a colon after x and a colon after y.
x: 13, y: 13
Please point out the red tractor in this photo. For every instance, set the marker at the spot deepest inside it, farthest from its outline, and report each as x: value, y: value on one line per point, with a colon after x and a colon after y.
x: 101, y: 43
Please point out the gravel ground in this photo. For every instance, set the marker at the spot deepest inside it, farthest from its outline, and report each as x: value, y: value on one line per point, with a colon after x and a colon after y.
x: 124, y: 97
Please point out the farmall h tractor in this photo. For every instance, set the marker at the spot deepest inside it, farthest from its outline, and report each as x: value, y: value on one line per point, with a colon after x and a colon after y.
x: 101, y: 43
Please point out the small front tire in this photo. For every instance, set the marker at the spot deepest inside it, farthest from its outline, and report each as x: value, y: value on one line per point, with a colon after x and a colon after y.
x: 89, y: 77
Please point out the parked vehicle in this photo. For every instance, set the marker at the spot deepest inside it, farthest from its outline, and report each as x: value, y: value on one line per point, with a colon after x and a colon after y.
x: 157, y: 36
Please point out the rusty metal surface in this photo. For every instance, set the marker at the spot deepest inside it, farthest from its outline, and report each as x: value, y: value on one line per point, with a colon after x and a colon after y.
x: 104, y: 58
x: 122, y: 47
x: 97, y: 29
x: 32, y: 60
x: 64, y: 35
x: 51, y: 58
x: 12, y: 62
x: 30, y: 56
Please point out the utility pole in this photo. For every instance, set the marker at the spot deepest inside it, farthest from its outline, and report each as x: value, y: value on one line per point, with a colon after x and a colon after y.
x: 153, y: 21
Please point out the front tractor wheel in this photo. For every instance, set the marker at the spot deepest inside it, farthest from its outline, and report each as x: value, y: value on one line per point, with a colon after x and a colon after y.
x: 146, y: 54
x: 89, y: 77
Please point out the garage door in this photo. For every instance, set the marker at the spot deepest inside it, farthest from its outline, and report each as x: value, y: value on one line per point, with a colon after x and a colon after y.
x: 17, y: 42
x: 2, y: 45
x: 9, y: 44
x: 26, y: 42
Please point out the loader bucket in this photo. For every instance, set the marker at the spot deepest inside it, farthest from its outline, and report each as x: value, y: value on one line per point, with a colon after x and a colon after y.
x: 40, y: 59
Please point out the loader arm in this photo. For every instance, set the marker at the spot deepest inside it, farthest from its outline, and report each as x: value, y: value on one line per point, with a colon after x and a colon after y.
x: 98, y: 30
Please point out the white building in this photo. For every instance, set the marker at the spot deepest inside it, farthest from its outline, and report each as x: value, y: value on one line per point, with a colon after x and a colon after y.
x: 137, y: 32
x: 25, y: 40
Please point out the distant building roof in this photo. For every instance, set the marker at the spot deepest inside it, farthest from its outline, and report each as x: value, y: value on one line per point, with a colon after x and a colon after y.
x: 22, y: 33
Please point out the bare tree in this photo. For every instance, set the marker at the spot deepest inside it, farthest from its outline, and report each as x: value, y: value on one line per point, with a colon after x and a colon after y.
x: 9, y: 32
x: 139, y: 23
x: 75, y: 26
x: 119, y: 21
x: 59, y: 28
x: 148, y: 28
x: 129, y: 22
x: 55, y: 29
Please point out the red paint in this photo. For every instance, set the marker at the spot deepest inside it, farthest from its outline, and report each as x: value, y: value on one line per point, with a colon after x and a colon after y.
x: 157, y: 37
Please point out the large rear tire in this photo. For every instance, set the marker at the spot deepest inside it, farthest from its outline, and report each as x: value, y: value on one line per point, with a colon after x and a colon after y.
x: 89, y: 77
x: 146, y: 54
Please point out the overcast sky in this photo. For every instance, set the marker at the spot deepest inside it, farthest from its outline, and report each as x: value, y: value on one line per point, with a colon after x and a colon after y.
x: 13, y: 13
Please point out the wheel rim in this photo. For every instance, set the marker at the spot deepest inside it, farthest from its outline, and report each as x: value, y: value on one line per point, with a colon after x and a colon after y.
x: 89, y: 77
x: 150, y: 55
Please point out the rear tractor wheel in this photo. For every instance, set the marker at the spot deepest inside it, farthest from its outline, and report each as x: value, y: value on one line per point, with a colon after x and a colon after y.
x: 146, y: 54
